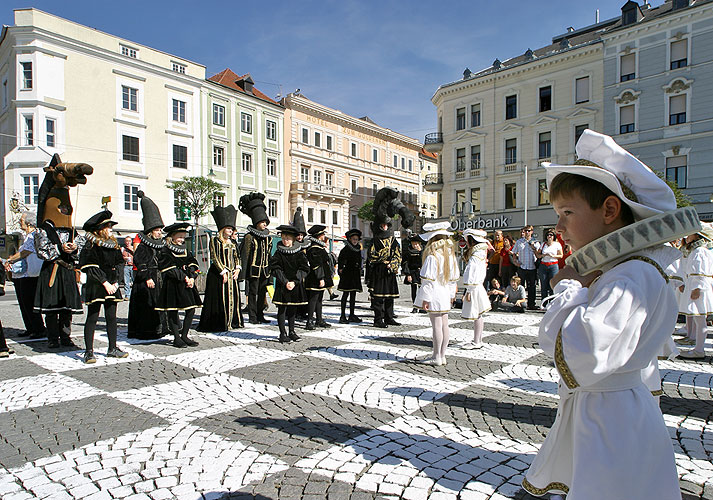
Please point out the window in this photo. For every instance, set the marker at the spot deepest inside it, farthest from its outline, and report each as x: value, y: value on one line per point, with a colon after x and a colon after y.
x: 130, y: 148
x: 178, y: 67
x: 219, y: 115
x: 128, y: 51
x: 322, y: 216
x: 355, y: 221
x: 329, y: 142
x: 460, y: 160
x: 51, y: 133
x: 305, y: 136
x: 219, y: 200
x: 329, y: 178
x: 510, y: 195
x: 272, y: 208
x: 26, y: 75
x: 460, y: 118
x: 310, y: 215
x: 581, y: 90
x: 474, y: 157
x: 355, y: 185
x: 403, y: 163
x: 410, y: 165
x: 374, y: 187
x: 676, y: 170
x: 335, y: 217
x: 375, y: 155
x: 475, y: 115
x: 179, y: 111
x: 218, y: 157
x: 131, y: 197
x: 543, y: 195
x: 545, y: 98
x: 354, y: 150
x: 5, y: 95
x: 317, y: 177
x: 460, y: 200
x: 396, y: 161
x: 318, y: 140
x: 475, y: 199
x: 510, y: 107
x: 272, y: 167
x: 180, y: 156
x: 304, y: 174
x: 246, y: 123
x: 545, y: 145
x: 29, y: 130
x: 578, y: 131
x: 247, y: 162
x: 628, y: 67
x: 271, y: 130
x: 679, y: 54
x: 31, y: 184
x: 129, y: 98
x: 677, y: 110
x: 510, y: 151
x: 626, y: 119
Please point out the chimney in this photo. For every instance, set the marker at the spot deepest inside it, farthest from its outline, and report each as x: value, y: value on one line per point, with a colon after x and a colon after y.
x: 596, y: 17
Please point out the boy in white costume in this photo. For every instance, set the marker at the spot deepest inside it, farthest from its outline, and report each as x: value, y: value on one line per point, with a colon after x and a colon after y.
x: 603, y: 328
x: 475, y: 300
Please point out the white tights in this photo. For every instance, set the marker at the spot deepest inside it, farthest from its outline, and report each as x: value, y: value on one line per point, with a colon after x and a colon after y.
x: 478, y: 330
x: 698, y: 331
x: 689, y: 328
x: 441, y: 334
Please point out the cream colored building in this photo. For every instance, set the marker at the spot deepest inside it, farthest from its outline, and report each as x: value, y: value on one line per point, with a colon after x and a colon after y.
x: 496, y: 127
x: 335, y: 163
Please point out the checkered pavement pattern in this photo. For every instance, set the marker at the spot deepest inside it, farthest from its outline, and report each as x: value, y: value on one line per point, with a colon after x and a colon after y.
x: 346, y: 413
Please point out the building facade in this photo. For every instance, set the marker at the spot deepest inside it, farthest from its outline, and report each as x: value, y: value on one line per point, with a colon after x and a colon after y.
x: 658, y: 97
x: 335, y: 163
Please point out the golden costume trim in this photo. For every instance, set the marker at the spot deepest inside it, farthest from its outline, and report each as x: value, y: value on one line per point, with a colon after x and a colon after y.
x: 556, y: 486
x: 561, y: 364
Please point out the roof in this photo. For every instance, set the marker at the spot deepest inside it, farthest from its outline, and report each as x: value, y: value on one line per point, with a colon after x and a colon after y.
x: 429, y: 155
x: 227, y: 78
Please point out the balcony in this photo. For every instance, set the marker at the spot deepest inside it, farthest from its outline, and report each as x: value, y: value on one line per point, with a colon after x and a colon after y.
x: 433, y: 142
x: 320, y: 191
x: 433, y: 182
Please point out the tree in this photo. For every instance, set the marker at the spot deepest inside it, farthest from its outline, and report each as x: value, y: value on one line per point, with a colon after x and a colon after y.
x: 366, y: 211
x: 196, y: 194
x: 681, y: 199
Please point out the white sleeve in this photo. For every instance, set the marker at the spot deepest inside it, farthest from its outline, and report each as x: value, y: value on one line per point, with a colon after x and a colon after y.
x: 700, y: 268
x: 429, y: 275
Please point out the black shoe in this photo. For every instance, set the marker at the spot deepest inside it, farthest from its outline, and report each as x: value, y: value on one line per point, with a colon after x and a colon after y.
x: 353, y: 318
x: 178, y: 342
x: 89, y: 358
x: 309, y: 326
x: 67, y: 342
x: 391, y: 322
x: 38, y: 335
x: 254, y: 321
x: 379, y: 324
x: 294, y: 337
x: 343, y: 320
x: 189, y: 342
x: 116, y: 353
x: 323, y: 324
x: 53, y: 344
x: 414, y: 310
x: 24, y: 334
x: 264, y: 320
x: 284, y: 339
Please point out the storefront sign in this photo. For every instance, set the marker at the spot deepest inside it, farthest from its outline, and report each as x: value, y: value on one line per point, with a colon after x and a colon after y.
x: 462, y: 223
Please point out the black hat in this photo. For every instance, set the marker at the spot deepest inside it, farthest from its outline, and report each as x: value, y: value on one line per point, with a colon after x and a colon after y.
x: 152, y: 215
x: 98, y: 221
x: 253, y: 205
x: 299, y: 221
x: 317, y: 229
x: 352, y: 232
x: 224, y: 216
x: 287, y: 229
x: 176, y: 227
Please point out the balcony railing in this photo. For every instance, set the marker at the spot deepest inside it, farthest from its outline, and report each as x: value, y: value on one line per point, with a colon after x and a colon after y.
x: 510, y: 167
x: 320, y: 189
x: 433, y: 142
x: 433, y: 180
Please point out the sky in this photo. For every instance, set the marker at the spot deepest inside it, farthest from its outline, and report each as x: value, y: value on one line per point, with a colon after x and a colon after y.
x: 382, y: 59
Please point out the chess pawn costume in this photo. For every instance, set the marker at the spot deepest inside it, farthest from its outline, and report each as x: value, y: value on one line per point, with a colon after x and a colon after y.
x: 57, y: 295
x: 475, y: 300
x: 255, y: 251
x: 609, y: 439
x: 319, y: 277
x: 221, y: 303
x: 103, y: 263
x: 349, y: 265
x: 439, y: 285
x: 178, y: 268
x: 289, y: 266
x: 411, y: 265
x: 144, y: 319
x: 384, y: 256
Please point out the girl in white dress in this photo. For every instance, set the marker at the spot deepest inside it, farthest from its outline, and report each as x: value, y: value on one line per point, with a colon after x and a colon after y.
x: 475, y: 300
x: 439, y: 277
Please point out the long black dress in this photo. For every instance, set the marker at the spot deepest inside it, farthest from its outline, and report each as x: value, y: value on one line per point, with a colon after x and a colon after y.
x: 101, y: 261
x: 144, y: 319
x: 349, y: 268
x: 221, y: 306
x: 289, y: 264
x: 175, y: 264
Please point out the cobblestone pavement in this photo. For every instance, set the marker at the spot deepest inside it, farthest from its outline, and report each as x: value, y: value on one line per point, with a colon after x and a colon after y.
x: 346, y: 413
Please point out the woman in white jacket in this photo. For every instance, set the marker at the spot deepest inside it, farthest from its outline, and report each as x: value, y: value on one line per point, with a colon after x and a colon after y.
x: 475, y: 300
x: 439, y: 277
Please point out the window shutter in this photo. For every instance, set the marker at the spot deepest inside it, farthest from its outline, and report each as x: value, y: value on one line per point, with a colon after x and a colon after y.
x: 679, y: 50
x: 628, y: 64
x: 677, y: 104
x: 676, y: 161
x: 582, y: 91
x: 627, y: 114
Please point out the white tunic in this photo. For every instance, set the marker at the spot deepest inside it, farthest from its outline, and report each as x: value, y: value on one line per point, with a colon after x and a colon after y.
x: 434, y: 289
x: 698, y: 274
x: 609, y: 439
x: 473, y: 278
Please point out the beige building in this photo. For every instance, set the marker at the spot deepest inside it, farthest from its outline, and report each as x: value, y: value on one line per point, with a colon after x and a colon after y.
x: 496, y: 127
x: 335, y: 163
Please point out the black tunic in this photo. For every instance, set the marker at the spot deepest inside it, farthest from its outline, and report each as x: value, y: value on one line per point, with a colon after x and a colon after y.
x: 221, y: 303
x: 411, y: 265
x: 320, y: 266
x: 57, y: 288
x: 144, y: 319
x: 289, y: 264
x: 255, y: 254
x: 349, y: 268
x: 175, y: 265
x: 101, y: 260
x: 384, y: 260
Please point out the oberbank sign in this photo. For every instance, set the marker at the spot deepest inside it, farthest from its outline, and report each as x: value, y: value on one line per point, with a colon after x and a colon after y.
x: 466, y: 219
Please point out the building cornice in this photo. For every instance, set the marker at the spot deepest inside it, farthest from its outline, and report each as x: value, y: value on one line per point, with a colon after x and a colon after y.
x: 33, y: 103
x: 693, y: 13
x: 29, y: 49
x: 128, y: 75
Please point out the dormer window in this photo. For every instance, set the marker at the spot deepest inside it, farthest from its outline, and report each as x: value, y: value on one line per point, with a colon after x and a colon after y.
x: 630, y: 13
x: 178, y: 67
x: 128, y: 51
x: 680, y: 4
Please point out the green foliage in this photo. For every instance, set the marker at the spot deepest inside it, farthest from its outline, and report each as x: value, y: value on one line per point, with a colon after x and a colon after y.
x: 196, y: 195
x: 681, y: 199
x: 365, y: 212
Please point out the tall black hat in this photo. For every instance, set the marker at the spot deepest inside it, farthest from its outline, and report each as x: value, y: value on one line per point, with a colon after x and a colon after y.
x: 253, y: 205
x: 317, y: 229
x: 299, y: 221
x: 98, y: 221
x: 224, y: 216
x: 152, y: 215
x: 386, y: 205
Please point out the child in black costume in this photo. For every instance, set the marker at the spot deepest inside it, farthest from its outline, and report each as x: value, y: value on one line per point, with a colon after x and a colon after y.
x: 289, y: 267
x: 320, y: 275
x: 411, y: 265
x: 101, y: 260
x: 349, y: 269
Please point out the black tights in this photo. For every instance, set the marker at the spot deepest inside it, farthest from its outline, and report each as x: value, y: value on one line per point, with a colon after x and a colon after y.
x: 90, y: 325
x: 286, y: 311
x: 173, y: 323
x: 352, y: 300
x: 315, y: 304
